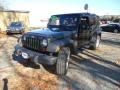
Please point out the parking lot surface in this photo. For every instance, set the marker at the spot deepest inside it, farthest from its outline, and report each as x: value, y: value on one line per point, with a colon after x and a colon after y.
x: 88, y: 70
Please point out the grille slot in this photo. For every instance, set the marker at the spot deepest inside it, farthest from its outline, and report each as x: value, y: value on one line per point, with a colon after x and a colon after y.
x: 33, y: 43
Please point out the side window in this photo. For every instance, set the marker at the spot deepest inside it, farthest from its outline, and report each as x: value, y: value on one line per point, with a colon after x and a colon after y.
x: 54, y: 20
x: 84, y: 20
x: 94, y: 22
x: 111, y: 25
x: 84, y: 23
x: 69, y: 21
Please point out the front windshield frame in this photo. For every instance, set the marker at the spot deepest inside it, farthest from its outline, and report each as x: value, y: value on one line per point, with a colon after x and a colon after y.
x: 68, y: 22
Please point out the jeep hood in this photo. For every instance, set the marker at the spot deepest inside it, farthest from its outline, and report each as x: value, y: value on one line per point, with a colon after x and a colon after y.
x: 51, y: 33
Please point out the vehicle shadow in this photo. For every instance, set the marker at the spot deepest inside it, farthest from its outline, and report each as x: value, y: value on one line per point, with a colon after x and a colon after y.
x: 50, y: 68
x: 26, y: 63
x: 73, y: 84
x: 111, y: 42
x: 98, y: 58
x: 96, y: 70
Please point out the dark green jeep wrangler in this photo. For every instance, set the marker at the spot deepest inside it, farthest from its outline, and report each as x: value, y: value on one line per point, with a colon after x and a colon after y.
x: 65, y: 33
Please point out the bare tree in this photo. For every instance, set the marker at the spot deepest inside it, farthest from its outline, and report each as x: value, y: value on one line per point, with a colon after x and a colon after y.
x: 2, y: 5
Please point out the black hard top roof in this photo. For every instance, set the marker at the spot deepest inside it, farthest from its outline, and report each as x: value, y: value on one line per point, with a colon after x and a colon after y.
x: 84, y: 14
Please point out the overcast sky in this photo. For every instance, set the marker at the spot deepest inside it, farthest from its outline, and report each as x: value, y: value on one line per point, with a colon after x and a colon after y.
x: 41, y: 9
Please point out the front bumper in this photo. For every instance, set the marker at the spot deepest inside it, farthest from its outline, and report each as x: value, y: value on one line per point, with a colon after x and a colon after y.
x: 13, y: 31
x: 36, y: 57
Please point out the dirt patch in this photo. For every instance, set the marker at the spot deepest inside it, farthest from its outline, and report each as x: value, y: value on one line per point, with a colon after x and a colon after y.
x: 36, y: 79
x: 17, y: 84
x: 20, y: 77
x: 98, y: 69
x: 23, y: 78
x: 104, y: 49
x: 2, y: 35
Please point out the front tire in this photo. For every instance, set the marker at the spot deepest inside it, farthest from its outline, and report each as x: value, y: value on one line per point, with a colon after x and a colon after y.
x: 115, y: 31
x: 63, y: 61
x: 95, y: 42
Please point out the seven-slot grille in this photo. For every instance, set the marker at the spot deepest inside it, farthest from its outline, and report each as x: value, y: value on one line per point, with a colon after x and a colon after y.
x: 33, y: 42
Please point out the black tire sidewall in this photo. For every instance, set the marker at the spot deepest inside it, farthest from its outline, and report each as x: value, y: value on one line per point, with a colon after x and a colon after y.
x: 98, y: 37
x: 115, y: 31
x: 62, y: 61
x: 93, y: 44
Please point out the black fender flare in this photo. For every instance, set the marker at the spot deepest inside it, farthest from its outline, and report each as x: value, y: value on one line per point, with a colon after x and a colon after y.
x: 56, y: 45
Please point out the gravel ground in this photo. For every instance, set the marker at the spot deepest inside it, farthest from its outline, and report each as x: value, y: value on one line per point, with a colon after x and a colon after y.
x: 96, y: 70
x: 15, y: 75
x: 88, y: 70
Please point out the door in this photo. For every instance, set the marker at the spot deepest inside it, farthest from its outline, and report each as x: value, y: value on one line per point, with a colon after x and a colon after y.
x: 110, y: 27
x: 84, y: 30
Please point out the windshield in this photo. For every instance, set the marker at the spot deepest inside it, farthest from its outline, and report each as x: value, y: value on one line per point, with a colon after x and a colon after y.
x: 16, y: 24
x: 63, y: 21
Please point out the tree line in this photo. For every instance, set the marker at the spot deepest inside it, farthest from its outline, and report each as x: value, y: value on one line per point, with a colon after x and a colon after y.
x: 113, y: 18
x: 3, y: 5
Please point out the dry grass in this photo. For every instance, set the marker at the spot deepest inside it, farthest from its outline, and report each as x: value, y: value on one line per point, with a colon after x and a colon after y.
x: 2, y: 35
x: 25, y: 78
x: 34, y: 79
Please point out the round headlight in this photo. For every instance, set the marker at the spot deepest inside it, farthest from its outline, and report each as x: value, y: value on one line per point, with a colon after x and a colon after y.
x: 44, y: 42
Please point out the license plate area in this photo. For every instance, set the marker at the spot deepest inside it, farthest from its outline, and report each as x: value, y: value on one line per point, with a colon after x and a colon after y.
x: 25, y: 55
